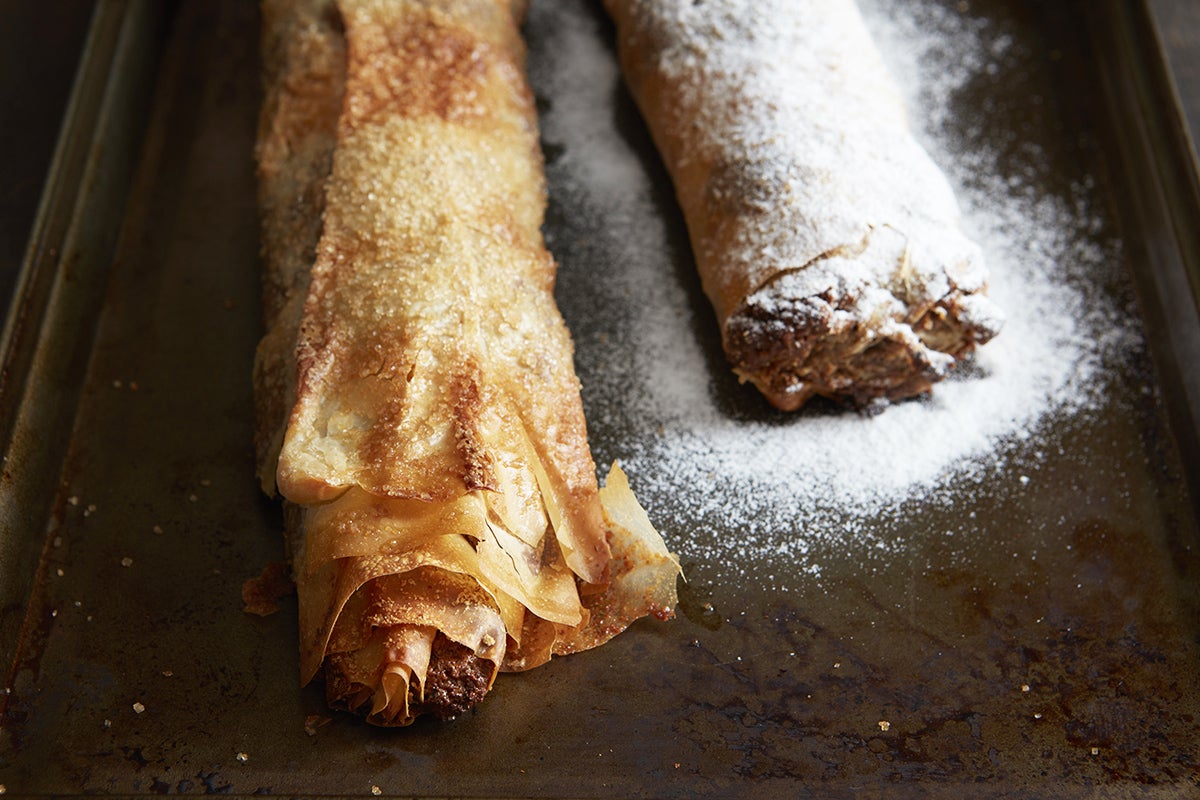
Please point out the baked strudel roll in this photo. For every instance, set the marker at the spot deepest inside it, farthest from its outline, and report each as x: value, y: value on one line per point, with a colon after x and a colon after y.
x: 417, y: 402
x: 827, y: 240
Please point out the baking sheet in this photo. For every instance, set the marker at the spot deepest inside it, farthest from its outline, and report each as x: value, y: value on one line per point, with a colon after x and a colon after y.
x: 1047, y: 646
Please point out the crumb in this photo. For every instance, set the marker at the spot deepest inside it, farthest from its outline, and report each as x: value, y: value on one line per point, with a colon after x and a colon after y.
x: 126, y: 562
x: 884, y: 725
x: 1095, y: 751
x: 73, y: 500
x: 167, y: 673
x: 375, y: 790
x: 116, y: 384
x: 261, y: 594
x: 157, y: 529
x: 313, y: 722
x: 138, y: 708
x: 54, y: 612
x: 107, y: 723
x: 59, y: 572
x: 242, y: 758
x: 1037, y: 715
x: 1024, y: 687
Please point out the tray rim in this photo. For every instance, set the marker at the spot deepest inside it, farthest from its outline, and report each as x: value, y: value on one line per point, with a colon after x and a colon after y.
x: 1165, y: 128
x: 49, y: 326
x: 1138, y: 77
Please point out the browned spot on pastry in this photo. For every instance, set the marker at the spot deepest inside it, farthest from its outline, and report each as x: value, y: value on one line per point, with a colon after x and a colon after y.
x: 477, y: 464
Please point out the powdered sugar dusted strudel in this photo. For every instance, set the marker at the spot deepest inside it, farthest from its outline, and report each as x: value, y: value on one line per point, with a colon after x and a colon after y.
x: 827, y: 240
x: 417, y: 403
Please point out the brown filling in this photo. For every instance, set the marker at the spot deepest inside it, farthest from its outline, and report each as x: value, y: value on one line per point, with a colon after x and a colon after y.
x: 796, y: 352
x: 455, y: 682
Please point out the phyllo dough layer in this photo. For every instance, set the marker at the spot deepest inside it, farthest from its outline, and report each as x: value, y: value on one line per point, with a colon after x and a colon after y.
x: 418, y: 406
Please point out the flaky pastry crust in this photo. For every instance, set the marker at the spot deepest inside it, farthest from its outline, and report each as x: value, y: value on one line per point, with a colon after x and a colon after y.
x: 418, y: 406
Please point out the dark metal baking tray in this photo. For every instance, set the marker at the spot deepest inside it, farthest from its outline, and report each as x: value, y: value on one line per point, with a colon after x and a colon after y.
x: 131, y: 516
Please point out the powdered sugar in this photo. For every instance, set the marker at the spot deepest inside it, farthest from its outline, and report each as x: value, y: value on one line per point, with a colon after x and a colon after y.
x: 735, y: 488
x: 791, y: 153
